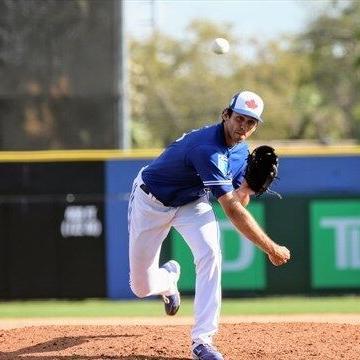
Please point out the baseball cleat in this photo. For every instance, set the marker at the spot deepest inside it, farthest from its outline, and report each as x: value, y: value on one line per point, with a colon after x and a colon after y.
x: 172, y: 302
x: 205, y: 352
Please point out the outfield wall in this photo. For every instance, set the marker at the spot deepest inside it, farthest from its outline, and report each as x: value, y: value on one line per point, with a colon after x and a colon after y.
x: 52, y: 231
x: 63, y: 230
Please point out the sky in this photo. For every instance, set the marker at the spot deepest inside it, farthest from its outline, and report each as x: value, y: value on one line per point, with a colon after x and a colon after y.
x: 265, y: 19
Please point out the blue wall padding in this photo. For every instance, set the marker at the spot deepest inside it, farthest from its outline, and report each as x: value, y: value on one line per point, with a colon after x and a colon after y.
x: 119, y: 177
x: 319, y: 175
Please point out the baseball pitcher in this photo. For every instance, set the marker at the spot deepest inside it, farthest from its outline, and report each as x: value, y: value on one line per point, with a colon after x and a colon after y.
x: 174, y: 191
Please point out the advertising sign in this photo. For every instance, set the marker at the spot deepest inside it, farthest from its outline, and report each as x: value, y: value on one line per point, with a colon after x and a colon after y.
x: 243, y: 265
x: 335, y: 244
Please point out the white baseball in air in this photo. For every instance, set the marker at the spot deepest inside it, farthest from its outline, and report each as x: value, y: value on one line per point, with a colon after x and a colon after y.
x: 220, y: 46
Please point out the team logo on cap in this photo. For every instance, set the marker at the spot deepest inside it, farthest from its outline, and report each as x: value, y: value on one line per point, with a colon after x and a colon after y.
x: 251, y: 104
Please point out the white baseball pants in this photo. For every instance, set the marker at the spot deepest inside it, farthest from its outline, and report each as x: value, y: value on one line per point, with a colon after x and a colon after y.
x: 149, y: 224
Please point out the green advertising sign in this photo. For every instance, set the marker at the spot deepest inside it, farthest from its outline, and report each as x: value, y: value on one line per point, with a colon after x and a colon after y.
x: 243, y: 264
x: 335, y: 244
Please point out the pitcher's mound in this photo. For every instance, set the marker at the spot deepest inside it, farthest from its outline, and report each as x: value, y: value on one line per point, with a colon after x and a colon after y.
x: 266, y: 341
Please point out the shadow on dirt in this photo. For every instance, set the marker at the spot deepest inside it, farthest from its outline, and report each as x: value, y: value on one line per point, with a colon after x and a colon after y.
x: 62, y: 343
x: 11, y: 356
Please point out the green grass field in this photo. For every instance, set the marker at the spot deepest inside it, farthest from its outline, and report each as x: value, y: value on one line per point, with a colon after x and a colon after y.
x: 231, y: 307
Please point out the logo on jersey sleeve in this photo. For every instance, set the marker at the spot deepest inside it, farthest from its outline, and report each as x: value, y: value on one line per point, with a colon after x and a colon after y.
x: 223, y: 163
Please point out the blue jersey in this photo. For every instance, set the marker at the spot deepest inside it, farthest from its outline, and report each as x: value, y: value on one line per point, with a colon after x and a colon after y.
x: 197, y: 161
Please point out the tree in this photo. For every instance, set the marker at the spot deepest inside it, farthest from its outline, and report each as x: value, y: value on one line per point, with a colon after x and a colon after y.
x: 180, y: 85
x: 332, y: 42
x: 310, y: 82
x: 175, y: 85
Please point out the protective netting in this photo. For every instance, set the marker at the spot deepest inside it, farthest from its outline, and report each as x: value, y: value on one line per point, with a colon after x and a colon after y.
x: 58, y: 74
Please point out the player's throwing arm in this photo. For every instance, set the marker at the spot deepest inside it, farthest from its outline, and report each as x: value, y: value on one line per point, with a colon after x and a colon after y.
x: 246, y: 224
x: 262, y: 169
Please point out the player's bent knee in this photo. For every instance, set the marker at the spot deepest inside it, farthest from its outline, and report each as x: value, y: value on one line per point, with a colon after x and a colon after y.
x: 141, y: 290
x: 140, y: 293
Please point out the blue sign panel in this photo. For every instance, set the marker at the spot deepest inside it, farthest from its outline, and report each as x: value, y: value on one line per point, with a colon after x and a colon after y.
x: 119, y: 177
x: 316, y: 175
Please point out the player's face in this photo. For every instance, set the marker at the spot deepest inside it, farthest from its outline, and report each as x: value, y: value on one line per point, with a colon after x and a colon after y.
x: 238, y: 128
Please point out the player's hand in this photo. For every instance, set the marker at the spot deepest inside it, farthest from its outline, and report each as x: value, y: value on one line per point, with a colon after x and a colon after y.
x: 280, y: 256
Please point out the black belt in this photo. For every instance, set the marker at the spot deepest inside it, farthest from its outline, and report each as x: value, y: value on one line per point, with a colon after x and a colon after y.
x: 145, y: 189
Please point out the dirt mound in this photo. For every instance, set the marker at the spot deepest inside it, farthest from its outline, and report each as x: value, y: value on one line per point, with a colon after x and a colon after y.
x: 244, y: 341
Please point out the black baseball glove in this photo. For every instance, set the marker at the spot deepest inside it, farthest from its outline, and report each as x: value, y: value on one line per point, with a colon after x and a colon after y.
x: 262, y: 169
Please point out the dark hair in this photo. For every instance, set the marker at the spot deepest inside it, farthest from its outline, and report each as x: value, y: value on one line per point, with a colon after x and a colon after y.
x: 226, y: 112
